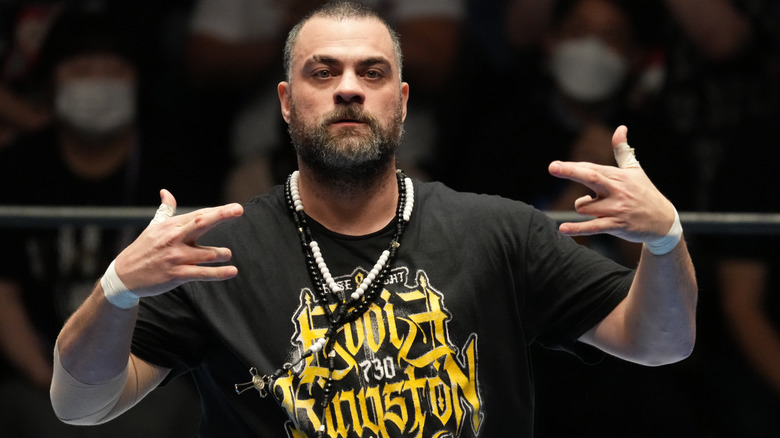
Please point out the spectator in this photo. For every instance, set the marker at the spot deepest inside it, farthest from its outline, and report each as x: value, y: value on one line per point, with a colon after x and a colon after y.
x: 569, y: 89
x: 94, y: 154
x: 718, y: 102
x: 712, y: 65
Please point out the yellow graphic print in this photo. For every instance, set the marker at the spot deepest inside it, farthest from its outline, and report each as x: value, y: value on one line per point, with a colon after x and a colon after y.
x: 397, y: 372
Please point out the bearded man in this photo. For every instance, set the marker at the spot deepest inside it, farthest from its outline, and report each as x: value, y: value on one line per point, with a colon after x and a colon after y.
x: 361, y: 302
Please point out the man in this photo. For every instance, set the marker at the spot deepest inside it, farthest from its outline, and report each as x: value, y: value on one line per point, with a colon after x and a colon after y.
x: 430, y: 338
x: 231, y: 51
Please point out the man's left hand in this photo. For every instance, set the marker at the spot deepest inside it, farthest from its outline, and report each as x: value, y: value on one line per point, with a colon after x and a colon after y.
x: 625, y: 203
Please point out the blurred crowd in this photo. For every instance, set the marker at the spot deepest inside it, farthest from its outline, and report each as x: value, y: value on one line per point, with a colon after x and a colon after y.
x: 104, y: 103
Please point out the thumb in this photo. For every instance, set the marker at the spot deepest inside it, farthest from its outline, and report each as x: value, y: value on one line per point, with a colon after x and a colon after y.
x: 167, y: 198
x: 624, y: 154
x: 167, y: 207
x: 620, y: 135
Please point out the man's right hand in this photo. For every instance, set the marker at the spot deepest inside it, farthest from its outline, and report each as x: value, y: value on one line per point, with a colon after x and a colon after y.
x: 166, y: 254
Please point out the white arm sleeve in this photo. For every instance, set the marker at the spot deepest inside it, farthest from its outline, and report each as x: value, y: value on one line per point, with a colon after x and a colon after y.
x: 80, y: 403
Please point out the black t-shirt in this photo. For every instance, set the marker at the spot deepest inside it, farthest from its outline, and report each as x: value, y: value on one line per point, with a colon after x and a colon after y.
x: 444, y: 348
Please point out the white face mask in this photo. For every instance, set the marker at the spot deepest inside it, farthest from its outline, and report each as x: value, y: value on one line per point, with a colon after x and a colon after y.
x: 96, y: 105
x: 587, y: 70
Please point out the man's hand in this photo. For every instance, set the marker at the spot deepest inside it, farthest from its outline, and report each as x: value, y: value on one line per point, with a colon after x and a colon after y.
x: 166, y: 254
x: 626, y: 203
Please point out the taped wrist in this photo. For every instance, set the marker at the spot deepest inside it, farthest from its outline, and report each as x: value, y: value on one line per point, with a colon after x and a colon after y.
x: 115, y: 290
x: 667, y: 243
x: 75, y: 402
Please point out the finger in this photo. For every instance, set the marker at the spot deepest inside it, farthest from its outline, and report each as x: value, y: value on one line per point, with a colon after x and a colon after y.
x: 588, y: 174
x: 207, y: 212
x: 207, y: 254
x: 583, y: 202
x: 187, y: 273
x: 166, y: 209
x: 196, y: 223
x: 587, y: 228
x: 624, y: 154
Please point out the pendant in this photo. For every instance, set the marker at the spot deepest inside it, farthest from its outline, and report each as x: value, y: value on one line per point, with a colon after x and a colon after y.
x: 260, y: 383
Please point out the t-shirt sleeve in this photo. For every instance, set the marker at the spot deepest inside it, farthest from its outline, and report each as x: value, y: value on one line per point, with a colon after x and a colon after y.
x: 169, y: 333
x: 571, y: 287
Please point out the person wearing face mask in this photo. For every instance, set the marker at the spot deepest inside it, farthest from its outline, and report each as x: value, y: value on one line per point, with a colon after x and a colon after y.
x: 565, y: 94
x: 589, y: 54
x: 98, y: 106
x: 596, y: 61
x: 95, y: 154
x: 587, y: 69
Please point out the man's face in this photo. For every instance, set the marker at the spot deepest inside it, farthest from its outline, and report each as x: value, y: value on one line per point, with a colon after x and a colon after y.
x: 345, y: 103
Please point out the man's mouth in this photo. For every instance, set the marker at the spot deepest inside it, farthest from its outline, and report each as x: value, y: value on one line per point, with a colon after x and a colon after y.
x: 348, y: 122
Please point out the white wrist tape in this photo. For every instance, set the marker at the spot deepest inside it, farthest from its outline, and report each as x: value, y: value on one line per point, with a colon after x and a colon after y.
x: 115, y: 291
x: 667, y: 243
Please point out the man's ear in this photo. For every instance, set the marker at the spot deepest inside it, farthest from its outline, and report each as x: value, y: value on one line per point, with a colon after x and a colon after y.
x: 404, y: 97
x: 284, y: 99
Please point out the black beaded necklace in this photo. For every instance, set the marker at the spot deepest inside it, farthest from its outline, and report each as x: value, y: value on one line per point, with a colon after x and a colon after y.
x: 347, y: 308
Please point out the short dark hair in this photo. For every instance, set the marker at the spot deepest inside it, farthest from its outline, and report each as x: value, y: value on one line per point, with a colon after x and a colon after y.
x: 339, y: 10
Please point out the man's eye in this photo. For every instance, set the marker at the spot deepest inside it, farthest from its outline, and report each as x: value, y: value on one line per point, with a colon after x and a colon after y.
x: 373, y: 74
x: 322, y: 74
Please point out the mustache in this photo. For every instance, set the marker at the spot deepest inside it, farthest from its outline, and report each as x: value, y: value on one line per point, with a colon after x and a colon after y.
x: 348, y: 112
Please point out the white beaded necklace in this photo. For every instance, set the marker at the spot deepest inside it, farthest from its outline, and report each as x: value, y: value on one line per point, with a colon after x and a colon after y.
x: 315, y: 248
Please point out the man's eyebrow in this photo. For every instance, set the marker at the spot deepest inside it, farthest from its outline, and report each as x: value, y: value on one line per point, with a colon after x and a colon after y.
x: 330, y: 61
x: 375, y: 61
x: 323, y: 59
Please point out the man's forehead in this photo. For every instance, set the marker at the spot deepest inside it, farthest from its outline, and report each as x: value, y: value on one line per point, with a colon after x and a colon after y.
x: 359, y: 37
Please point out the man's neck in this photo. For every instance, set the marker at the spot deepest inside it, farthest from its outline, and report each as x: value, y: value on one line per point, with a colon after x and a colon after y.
x: 355, y: 212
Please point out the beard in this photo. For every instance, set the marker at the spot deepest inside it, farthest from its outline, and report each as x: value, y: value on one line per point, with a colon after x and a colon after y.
x: 351, y: 157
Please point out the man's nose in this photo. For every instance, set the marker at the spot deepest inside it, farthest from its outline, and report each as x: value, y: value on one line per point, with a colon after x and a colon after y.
x: 349, y: 89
